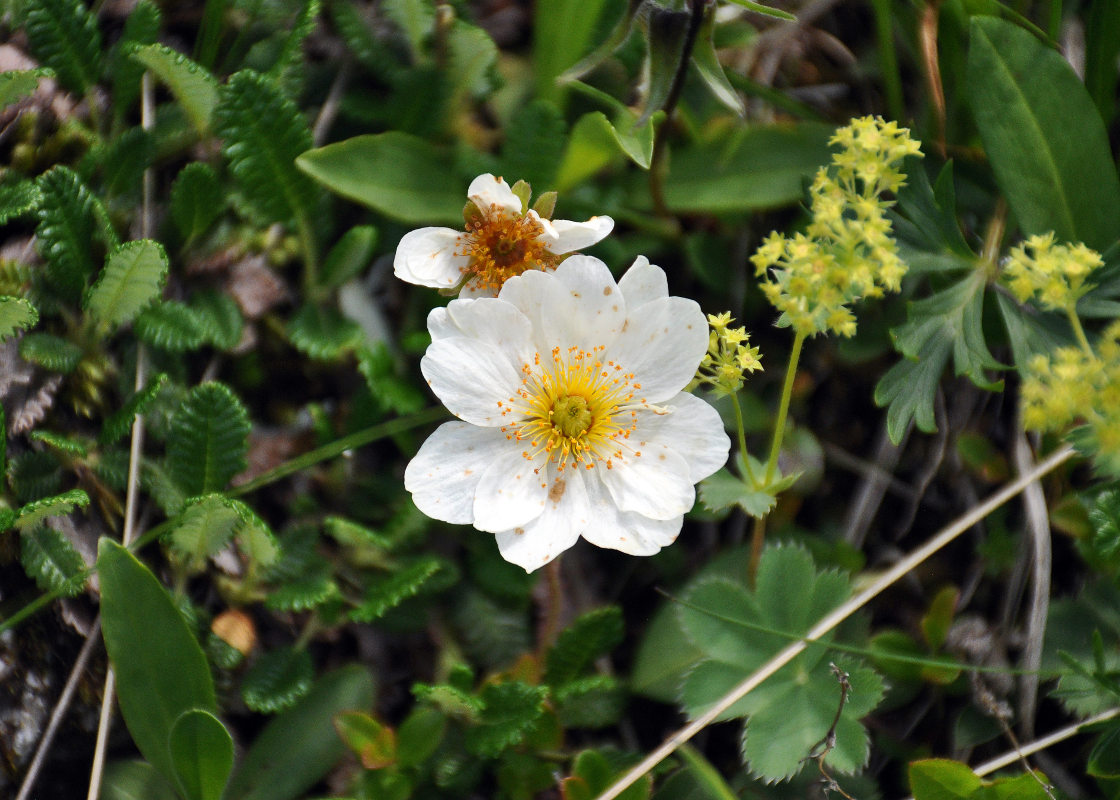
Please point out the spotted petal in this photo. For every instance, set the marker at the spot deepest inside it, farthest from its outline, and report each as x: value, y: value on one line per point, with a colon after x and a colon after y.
x: 472, y: 378
x: 692, y: 429
x: 655, y: 484
x: 643, y: 283
x: 445, y: 472
x: 510, y: 494
x: 626, y: 531
x: 567, y: 513
x: 662, y: 345
x: 427, y: 257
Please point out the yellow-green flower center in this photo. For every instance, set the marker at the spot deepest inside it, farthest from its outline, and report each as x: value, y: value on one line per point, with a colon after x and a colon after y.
x: 571, y: 416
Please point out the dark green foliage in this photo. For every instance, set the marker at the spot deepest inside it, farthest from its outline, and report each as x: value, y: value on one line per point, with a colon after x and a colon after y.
x: 322, y: 332
x: 48, y: 556
x: 263, y: 132
x: 69, y: 228
x: 1105, y: 518
x: 593, y: 702
x: 171, y: 326
x: 196, y: 199
x: 208, y: 439
x: 38, y: 511
x: 313, y: 587
x: 220, y: 318
x: 122, y: 163
x: 33, y: 475
x: 386, y: 593
x: 142, y: 27
x: 18, y: 197
x: 592, y: 635
x: 287, y: 70
x: 119, y: 423
x: 64, y: 36
x: 16, y: 314
x: 349, y: 257
x: 509, y: 712
x: 193, y: 86
x: 50, y: 352
x: 534, y: 145
x: 131, y: 281
x: 277, y: 680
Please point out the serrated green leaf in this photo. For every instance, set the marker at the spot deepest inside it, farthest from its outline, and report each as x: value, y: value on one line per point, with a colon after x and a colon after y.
x: 67, y: 445
x: 322, y: 332
x: 309, y: 590
x: 350, y: 256
x: 16, y: 314
x: 262, y: 133
x: 1026, y: 98
x: 18, y: 197
x: 122, y: 162
x: 391, y: 591
x: 60, y: 505
x: 141, y: 28
x: 205, y: 525
x: 255, y: 539
x: 948, y: 322
x: 17, y: 84
x: 64, y: 36
x: 509, y: 712
x: 201, y: 753
x: 159, y: 484
x: 34, y: 475
x: 119, y: 423
x: 450, y: 700
x: 209, y: 439
x: 472, y: 56
x: 534, y: 145
x: 593, y: 702
x: 161, y: 670
x: 591, y: 635
x: 220, y: 317
x: 52, y: 561
x: 132, y: 280
x: 196, y: 199
x: 192, y: 84
x: 50, y: 352
x: 286, y: 70
x: 394, y: 173
x: 68, y: 230
x: 277, y: 680
x: 172, y: 326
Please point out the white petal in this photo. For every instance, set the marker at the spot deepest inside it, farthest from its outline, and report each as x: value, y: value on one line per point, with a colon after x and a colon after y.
x: 444, y: 474
x: 567, y: 513
x: 548, y: 231
x: 625, y: 530
x: 662, y: 344
x: 487, y: 190
x: 578, y: 235
x: 531, y: 292
x: 655, y: 484
x: 426, y: 256
x: 471, y: 378
x: 643, y: 283
x: 586, y: 310
x: 692, y: 429
x: 509, y: 494
x: 486, y: 319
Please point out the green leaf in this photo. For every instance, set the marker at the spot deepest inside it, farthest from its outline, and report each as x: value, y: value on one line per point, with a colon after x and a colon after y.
x: 759, y: 8
x: 390, y: 592
x: 322, y: 332
x: 64, y: 36
x: 666, y: 38
x: 310, y: 589
x: 564, y: 31
x: 286, y: 70
x: 593, y: 702
x: 534, y: 145
x: 263, y: 132
x: 209, y: 439
x: 415, y: 18
x: 592, y: 774
x: 1026, y: 100
x: 205, y: 525
x: 510, y: 711
x: 191, y: 84
x: 18, y: 197
x: 201, y: 753
x: 1030, y: 331
x: 16, y: 314
x: 122, y: 163
x: 196, y: 199
x: 50, y: 352
x: 119, y: 423
x: 68, y: 229
x: 394, y: 173
x: 592, y: 635
x: 942, y: 779
x: 419, y: 735
x: 374, y: 744
x: 172, y: 326
x: 142, y: 27
x: 135, y: 780
x: 723, y: 489
x: 132, y: 280
x: 48, y: 557
x: 350, y: 256
x: 948, y: 322
x: 219, y: 317
x: 298, y: 747
x: 161, y: 670
x: 17, y: 84
x: 472, y: 55
x: 707, y: 63
x: 277, y: 680
x: 34, y: 513
x: 596, y: 139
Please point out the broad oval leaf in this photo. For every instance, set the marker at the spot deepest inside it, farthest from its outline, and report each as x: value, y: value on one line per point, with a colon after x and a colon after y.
x: 132, y: 280
x: 161, y: 670
x: 1043, y: 135
x: 394, y: 173
x: 202, y: 754
x: 208, y: 442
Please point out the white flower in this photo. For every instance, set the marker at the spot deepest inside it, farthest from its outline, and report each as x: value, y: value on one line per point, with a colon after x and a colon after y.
x: 501, y: 240
x: 574, y: 424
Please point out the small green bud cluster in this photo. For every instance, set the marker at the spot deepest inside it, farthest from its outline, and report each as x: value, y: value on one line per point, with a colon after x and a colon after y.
x: 847, y: 252
x: 1074, y: 384
x: 729, y: 357
x: 1053, y: 273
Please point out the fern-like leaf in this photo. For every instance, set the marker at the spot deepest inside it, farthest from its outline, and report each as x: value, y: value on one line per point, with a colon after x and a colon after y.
x: 510, y: 712
x: 63, y: 35
x: 50, y: 352
x: 287, y: 70
x: 171, y: 326
x: 209, y: 439
x: 36, y: 512
x: 141, y: 28
x: 221, y: 318
x: 311, y: 589
x: 16, y: 314
x: 64, y: 445
x: 204, y: 527
x: 119, y: 423
x: 67, y: 232
x: 322, y: 332
x: 277, y: 680
x: 196, y: 199
x: 589, y: 637
x: 131, y: 281
x: 193, y: 86
x: 390, y: 592
x: 263, y: 132
x: 593, y: 702
x: 18, y: 197
x: 52, y: 561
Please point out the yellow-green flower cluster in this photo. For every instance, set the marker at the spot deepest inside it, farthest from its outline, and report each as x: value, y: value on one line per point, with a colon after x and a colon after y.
x: 1054, y: 273
x: 729, y: 357
x: 1074, y: 384
x: 847, y: 251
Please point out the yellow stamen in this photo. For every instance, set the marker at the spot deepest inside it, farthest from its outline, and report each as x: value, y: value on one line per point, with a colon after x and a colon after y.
x: 501, y: 245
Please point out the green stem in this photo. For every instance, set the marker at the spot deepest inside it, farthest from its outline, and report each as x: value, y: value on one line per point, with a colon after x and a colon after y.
x: 783, y: 409
x: 310, y: 256
x: 743, y: 441
x: 892, y: 83
x: 1079, y: 332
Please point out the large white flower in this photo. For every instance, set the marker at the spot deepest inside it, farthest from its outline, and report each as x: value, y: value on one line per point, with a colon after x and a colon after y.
x: 502, y: 239
x: 573, y: 422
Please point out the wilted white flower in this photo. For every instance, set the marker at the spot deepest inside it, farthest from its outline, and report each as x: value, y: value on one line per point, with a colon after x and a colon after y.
x: 502, y: 239
x: 573, y: 422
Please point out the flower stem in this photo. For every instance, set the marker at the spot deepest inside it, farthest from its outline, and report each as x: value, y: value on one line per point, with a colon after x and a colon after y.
x: 310, y: 257
x: 783, y: 409
x: 748, y: 473
x: 1079, y: 332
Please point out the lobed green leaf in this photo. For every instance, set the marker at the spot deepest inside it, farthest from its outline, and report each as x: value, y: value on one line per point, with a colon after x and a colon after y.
x: 119, y: 423
x: 322, y: 332
x: 204, y: 526
x: 68, y: 230
x: 50, y: 352
x: 63, y: 36
x: 49, y: 558
x: 209, y: 439
x: 390, y: 592
x: 277, y: 680
x: 18, y: 197
x: 171, y: 326
x: 131, y: 281
x: 16, y: 314
x: 591, y: 635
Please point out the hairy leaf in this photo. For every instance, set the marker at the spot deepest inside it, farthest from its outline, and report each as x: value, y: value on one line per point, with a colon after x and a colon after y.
x: 52, y: 561
x: 193, y: 86
x: 312, y: 588
x: 16, y: 314
x: 17, y: 84
x: 141, y: 28
x: 123, y: 161
x: 132, y: 280
x: 471, y: 58
x: 205, y: 525
x: 64, y: 36
x: 286, y: 70
x: 277, y: 680
x: 208, y: 441
x: 390, y: 592
x: 322, y: 332
x: 509, y: 712
x: 171, y: 326
x: 18, y: 197
x: 66, y: 445
x: 50, y: 352
x: 68, y: 229
x: 196, y: 199
x: 263, y: 132
x: 592, y: 635
x: 220, y: 317
x: 119, y: 423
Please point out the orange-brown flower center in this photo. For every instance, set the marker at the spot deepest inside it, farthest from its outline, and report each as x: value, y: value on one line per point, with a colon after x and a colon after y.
x: 500, y: 245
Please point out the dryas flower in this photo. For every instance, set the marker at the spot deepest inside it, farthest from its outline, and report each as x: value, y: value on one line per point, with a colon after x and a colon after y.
x: 573, y: 422
x: 502, y: 238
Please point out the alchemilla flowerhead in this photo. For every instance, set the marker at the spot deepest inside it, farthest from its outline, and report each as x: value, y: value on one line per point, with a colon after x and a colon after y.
x: 502, y: 238
x: 573, y: 422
